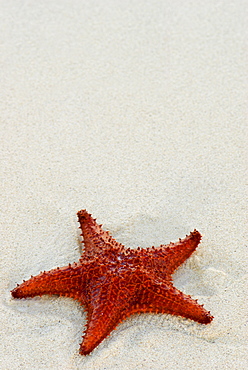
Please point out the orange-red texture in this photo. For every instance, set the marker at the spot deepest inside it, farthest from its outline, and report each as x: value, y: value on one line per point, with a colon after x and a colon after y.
x: 113, y: 282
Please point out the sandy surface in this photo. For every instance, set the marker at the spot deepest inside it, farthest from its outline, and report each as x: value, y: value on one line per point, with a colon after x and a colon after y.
x: 135, y: 111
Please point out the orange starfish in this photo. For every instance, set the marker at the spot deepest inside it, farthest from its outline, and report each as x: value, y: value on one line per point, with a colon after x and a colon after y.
x: 114, y: 282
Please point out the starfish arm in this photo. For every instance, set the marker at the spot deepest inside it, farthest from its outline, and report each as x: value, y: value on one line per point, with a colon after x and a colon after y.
x: 165, y: 298
x: 66, y: 281
x: 95, y: 239
x: 100, y: 324
x: 101, y: 320
x: 167, y: 258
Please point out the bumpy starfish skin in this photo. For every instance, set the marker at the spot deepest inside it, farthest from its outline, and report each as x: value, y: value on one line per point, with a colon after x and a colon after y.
x: 113, y: 282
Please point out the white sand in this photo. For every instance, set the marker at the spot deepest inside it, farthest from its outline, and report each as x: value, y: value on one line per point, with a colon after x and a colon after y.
x: 134, y: 110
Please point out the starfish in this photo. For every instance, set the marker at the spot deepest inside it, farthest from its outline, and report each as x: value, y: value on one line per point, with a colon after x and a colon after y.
x: 114, y: 282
